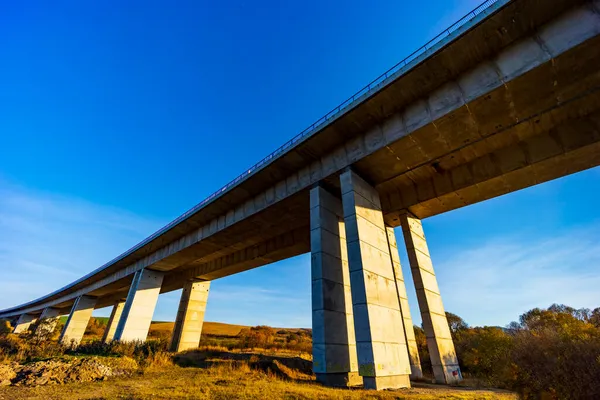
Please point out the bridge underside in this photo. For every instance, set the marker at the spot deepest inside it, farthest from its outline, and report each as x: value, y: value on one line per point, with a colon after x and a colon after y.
x: 542, y: 125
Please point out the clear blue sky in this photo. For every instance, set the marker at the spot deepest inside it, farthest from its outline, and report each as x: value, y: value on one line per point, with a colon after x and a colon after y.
x: 117, y: 116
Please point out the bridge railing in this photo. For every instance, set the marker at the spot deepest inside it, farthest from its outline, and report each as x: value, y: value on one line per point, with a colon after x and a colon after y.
x: 366, y: 91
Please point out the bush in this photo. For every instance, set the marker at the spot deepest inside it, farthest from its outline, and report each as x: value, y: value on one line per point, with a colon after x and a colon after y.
x: 485, y: 353
x: 550, y: 353
x: 5, y: 327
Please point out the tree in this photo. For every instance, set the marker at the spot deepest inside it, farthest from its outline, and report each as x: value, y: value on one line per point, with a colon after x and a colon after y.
x: 455, y: 322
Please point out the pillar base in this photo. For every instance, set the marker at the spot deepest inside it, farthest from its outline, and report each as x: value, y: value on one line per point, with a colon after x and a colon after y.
x: 386, y: 382
x: 416, y: 372
x: 447, y: 374
x: 342, y: 379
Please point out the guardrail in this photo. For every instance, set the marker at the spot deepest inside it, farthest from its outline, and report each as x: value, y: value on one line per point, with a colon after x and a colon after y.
x: 368, y: 90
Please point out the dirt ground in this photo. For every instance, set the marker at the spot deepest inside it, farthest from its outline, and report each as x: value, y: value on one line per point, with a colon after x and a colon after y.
x: 227, y: 380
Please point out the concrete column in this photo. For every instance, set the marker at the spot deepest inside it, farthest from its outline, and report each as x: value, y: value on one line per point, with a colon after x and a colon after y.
x: 190, y: 316
x: 78, y: 320
x: 409, y: 330
x: 383, y: 358
x: 439, y: 340
x: 335, y: 361
x: 113, y: 321
x: 23, y: 323
x: 139, y: 306
x: 47, y: 322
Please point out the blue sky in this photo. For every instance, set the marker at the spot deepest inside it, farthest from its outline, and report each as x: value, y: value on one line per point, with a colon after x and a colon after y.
x: 116, y: 117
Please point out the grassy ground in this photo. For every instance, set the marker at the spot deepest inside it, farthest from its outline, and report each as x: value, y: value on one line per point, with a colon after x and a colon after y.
x: 227, y: 381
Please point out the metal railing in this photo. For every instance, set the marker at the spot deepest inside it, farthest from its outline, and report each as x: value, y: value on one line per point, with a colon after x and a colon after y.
x: 365, y: 92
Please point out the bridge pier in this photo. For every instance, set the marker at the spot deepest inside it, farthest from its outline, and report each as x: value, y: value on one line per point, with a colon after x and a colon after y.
x: 190, y: 316
x: 139, y: 307
x: 409, y: 329
x: 78, y: 320
x: 439, y: 340
x: 381, y: 343
x: 335, y: 361
x: 47, y: 322
x: 23, y: 323
x: 113, y: 321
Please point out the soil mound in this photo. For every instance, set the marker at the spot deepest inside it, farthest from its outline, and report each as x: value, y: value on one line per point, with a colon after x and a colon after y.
x: 61, y: 371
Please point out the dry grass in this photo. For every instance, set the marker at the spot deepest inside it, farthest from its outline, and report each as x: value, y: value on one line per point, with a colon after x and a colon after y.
x: 208, y: 328
x: 227, y: 381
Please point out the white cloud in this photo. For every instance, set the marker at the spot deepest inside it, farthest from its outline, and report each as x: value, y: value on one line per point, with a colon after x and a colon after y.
x: 495, y: 282
x: 47, y: 241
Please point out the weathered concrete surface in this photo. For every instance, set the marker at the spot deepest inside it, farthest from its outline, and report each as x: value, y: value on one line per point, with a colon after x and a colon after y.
x: 47, y: 322
x: 409, y: 331
x: 190, y: 316
x: 78, y: 320
x: 383, y: 359
x: 23, y: 323
x: 139, y: 307
x: 113, y: 321
x: 439, y: 340
x: 334, y: 344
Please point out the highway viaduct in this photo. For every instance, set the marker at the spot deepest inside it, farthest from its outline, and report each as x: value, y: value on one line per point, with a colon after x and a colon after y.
x: 506, y: 99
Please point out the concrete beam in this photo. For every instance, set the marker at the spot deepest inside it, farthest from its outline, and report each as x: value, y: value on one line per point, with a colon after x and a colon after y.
x: 439, y: 340
x: 383, y: 359
x: 113, y: 321
x: 567, y: 148
x: 288, y: 244
x: 190, y: 316
x: 78, y: 320
x: 409, y: 330
x: 23, y: 323
x: 139, y: 306
x: 335, y: 361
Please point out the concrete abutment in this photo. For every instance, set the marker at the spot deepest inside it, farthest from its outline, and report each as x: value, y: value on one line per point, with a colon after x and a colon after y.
x: 190, y: 316
x: 139, y: 307
x: 47, y: 322
x: 24, y: 322
x: 335, y: 360
x: 113, y: 321
x: 382, y: 350
x: 78, y: 320
x: 439, y: 340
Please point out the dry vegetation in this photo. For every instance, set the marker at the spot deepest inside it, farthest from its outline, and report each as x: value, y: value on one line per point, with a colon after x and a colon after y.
x: 226, y: 380
x: 549, y: 354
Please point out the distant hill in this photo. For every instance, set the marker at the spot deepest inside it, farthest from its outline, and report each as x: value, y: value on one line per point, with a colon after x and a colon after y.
x: 208, y: 328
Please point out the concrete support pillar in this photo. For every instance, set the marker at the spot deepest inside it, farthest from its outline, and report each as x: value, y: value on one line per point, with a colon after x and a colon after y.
x: 409, y: 330
x: 78, y: 320
x: 439, y: 340
x: 139, y: 306
x: 383, y: 360
x: 113, y: 321
x: 47, y: 322
x: 335, y: 361
x: 23, y: 323
x: 190, y: 316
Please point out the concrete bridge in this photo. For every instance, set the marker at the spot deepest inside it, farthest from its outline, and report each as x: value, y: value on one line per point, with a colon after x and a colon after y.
x: 506, y: 99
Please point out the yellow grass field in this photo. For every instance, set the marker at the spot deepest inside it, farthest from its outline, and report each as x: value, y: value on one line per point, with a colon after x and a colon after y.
x: 208, y: 328
x: 229, y: 381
